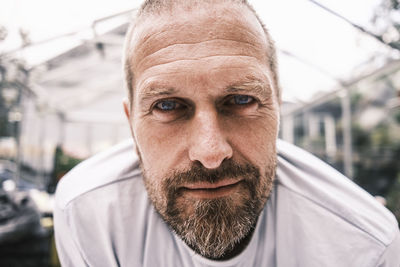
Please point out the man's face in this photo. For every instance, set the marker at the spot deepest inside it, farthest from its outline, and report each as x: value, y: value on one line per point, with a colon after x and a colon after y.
x: 205, y: 119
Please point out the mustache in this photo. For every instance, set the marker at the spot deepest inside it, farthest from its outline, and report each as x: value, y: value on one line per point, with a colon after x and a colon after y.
x: 198, y: 173
x: 249, y: 175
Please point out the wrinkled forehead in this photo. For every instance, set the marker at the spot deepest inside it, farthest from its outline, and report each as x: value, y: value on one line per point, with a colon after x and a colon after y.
x: 235, y: 23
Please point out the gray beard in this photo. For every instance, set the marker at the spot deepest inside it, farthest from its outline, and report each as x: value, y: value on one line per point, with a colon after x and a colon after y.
x: 213, y: 227
x: 216, y: 227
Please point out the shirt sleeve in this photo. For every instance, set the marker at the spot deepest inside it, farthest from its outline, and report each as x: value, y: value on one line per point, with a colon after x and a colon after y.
x: 391, y: 256
x: 69, y: 253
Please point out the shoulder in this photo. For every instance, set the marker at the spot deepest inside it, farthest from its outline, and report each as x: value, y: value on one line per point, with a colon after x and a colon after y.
x: 111, y: 167
x: 329, y: 194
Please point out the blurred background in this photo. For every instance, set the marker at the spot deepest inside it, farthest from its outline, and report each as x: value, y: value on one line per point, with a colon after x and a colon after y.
x: 61, y: 87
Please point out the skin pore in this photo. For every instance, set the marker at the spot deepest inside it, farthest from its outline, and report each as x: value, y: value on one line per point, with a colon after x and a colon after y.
x: 205, y: 120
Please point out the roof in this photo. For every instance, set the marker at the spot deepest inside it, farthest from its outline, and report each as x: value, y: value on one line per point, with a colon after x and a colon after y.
x: 316, y: 53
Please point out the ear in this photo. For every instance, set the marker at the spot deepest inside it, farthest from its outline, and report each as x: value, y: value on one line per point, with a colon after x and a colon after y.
x: 127, y: 108
x: 128, y: 112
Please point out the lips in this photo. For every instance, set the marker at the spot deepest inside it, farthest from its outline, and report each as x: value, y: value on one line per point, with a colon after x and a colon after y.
x: 211, y: 190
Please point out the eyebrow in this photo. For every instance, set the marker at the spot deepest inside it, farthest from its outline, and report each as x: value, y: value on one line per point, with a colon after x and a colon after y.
x: 254, y: 85
x: 152, y: 92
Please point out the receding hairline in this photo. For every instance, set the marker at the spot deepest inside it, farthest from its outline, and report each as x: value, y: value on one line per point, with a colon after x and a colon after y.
x: 158, y: 7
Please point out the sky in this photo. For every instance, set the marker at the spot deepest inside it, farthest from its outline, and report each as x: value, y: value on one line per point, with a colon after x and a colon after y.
x: 326, y: 48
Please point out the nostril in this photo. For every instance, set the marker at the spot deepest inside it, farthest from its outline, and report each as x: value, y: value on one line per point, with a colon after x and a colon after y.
x: 208, y: 142
x: 210, y: 158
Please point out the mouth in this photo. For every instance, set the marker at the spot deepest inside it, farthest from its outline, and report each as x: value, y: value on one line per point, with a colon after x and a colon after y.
x: 205, y: 190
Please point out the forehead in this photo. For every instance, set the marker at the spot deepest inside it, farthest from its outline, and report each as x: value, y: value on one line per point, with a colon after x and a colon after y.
x: 198, y: 24
x: 182, y: 38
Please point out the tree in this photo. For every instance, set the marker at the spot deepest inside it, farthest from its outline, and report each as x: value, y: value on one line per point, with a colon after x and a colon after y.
x: 386, y: 21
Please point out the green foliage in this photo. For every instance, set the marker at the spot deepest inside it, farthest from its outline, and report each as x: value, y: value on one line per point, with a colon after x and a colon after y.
x: 376, y: 165
x: 397, y: 116
x: 63, y: 163
x: 3, y: 125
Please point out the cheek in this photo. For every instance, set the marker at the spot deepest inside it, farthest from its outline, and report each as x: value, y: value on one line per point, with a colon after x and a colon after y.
x: 255, y: 140
x: 159, y: 145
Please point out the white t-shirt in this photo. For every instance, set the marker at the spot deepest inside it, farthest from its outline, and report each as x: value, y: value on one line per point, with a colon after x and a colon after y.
x: 315, y: 217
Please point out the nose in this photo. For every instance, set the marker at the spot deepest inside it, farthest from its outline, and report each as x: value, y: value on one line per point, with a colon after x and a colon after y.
x: 208, y: 143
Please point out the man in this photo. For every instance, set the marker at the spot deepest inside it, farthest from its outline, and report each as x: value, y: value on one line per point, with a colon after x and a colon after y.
x: 203, y: 110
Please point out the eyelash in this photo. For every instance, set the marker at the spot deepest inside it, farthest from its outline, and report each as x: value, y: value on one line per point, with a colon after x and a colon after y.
x: 173, y: 101
x: 229, y: 104
x: 240, y: 97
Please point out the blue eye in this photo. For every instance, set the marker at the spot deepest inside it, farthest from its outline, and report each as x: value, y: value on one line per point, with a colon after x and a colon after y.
x: 242, y: 99
x: 167, y: 105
